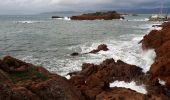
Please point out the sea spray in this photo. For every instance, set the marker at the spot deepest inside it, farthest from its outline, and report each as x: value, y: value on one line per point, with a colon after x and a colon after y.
x: 131, y: 85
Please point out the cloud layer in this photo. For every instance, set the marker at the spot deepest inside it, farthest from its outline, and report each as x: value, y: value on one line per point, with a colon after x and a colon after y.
x: 37, y: 6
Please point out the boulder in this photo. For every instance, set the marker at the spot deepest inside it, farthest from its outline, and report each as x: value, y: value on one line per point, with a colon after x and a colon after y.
x: 99, y: 48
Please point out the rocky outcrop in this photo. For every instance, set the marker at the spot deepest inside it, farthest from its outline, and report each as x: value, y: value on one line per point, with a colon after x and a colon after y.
x: 101, y: 47
x: 160, y: 41
x: 98, y: 16
x: 93, y: 81
x: 24, y: 81
x: 56, y: 17
x: 127, y: 94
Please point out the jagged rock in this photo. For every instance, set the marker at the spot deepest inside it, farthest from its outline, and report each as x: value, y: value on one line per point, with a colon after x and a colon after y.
x: 160, y: 41
x: 24, y: 81
x: 93, y: 79
x: 99, y: 48
x: 127, y: 94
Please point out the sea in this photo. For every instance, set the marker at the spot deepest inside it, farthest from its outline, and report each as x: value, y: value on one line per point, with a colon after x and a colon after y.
x: 48, y: 42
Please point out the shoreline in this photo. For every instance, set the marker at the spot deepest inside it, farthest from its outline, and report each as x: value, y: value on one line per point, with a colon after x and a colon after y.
x: 93, y: 81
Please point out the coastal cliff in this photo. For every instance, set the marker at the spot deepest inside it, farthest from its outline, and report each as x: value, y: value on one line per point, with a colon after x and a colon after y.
x: 98, y: 16
x: 160, y: 41
x: 24, y: 81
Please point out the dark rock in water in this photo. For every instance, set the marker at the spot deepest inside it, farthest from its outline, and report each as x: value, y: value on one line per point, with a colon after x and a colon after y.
x: 56, y: 17
x: 23, y: 81
x: 156, y: 25
x: 98, y: 16
x: 75, y: 54
x: 99, y: 48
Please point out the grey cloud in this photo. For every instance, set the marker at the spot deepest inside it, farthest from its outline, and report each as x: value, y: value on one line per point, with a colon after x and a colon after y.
x: 37, y: 6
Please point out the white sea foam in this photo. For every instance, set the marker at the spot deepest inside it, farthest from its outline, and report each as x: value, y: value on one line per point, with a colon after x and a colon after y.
x: 125, y: 48
x: 161, y: 82
x: 65, y: 18
x: 149, y: 57
x: 145, y: 19
x: 132, y: 85
x: 127, y: 51
x: 68, y: 77
x: 27, y: 22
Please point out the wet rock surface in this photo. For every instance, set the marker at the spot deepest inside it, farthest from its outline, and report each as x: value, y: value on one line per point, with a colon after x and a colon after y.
x: 93, y: 81
x: 160, y: 41
x: 98, y: 16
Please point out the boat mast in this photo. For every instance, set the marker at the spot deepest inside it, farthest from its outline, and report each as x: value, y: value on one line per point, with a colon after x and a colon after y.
x: 161, y: 9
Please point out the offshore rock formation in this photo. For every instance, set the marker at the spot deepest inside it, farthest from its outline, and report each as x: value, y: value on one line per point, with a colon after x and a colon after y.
x: 160, y: 41
x: 24, y: 81
x: 98, y: 16
x: 100, y: 48
x: 56, y: 17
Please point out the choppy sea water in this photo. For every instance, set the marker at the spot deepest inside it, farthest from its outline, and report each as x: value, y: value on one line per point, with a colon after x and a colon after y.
x: 49, y: 42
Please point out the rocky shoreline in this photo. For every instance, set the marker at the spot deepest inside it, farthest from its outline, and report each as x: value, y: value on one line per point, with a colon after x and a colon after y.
x: 24, y: 81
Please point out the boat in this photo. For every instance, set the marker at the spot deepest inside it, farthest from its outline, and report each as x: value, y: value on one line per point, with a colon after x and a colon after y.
x: 159, y: 17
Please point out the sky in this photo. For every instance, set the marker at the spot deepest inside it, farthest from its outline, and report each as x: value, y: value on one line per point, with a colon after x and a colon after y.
x: 39, y: 6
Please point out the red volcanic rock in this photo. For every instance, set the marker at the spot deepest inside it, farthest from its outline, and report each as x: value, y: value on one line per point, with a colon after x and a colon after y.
x: 98, y: 16
x: 94, y: 79
x: 10, y: 64
x: 99, y: 48
x: 24, y: 81
x: 152, y: 40
x: 43, y: 70
x: 22, y: 69
x: 164, y: 50
x: 160, y: 41
x: 5, y: 91
x: 20, y: 93
x: 127, y: 94
x: 157, y: 37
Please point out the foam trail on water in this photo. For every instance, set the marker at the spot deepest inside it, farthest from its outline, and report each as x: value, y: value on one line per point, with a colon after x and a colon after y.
x: 27, y: 22
x: 132, y: 85
x: 65, y: 18
x: 140, y: 20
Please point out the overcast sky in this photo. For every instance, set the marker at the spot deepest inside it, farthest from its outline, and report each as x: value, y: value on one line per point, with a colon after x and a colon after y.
x: 38, y: 6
